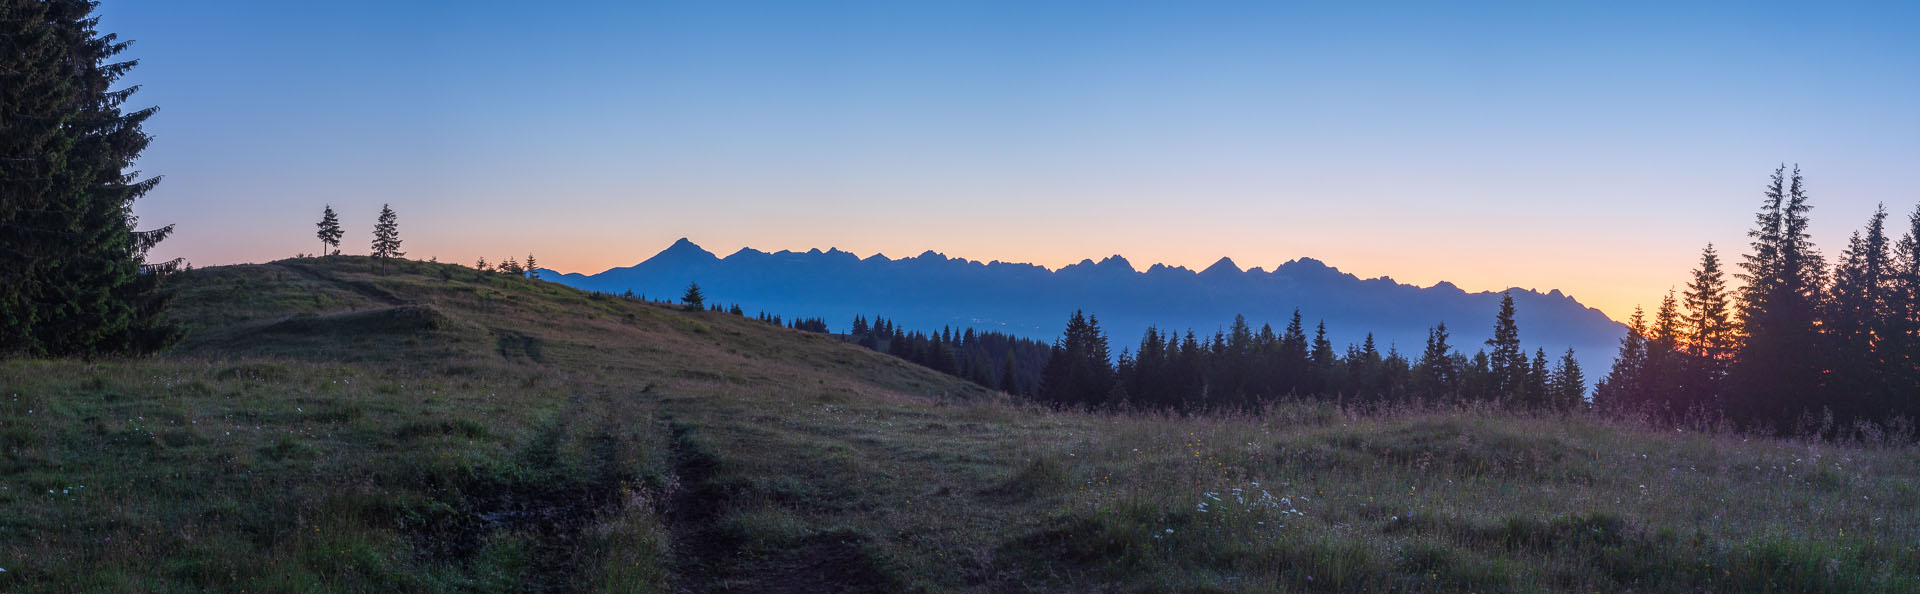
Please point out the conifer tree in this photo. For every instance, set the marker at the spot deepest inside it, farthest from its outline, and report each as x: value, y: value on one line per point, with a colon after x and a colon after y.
x: 1903, y: 352
x: 1294, y: 361
x: 1708, y: 332
x: 1619, y: 391
x: 1661, y: 368
x: 534, y: 272
x: 1774, y: 379
x: 1568, y: 388
x: 1538, y: 380
x: 1322, y: 360
x: 481, y: 265
x: 1858, y: 320
x: 693, y: 300
x: 386, y: 235
x: 330, y: 232
x: 75, y: 279
x: 1509, y: 363
x: 1435, y: 372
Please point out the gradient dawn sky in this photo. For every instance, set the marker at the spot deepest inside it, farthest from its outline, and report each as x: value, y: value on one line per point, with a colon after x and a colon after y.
x: 1589, y: 147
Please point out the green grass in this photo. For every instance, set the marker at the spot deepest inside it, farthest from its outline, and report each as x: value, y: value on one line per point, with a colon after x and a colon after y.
x: 332, y: 425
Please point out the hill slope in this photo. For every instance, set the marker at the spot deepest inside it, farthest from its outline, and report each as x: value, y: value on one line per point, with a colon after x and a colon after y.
x: 929, y: 291
x: 338, y: 425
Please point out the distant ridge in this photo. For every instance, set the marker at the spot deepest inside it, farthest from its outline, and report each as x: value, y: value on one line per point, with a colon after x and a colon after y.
x: 932, y: 290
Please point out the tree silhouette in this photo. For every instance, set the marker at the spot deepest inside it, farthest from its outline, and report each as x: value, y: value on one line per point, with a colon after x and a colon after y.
x: 1436, y: 375
x: 693, y: 300
x: 1619, y: 392
x: 1507, y: 361
x: 330, y: 232
x: 1707, y: 332
x: 1773, y: 380
x: 532, y: 269
x: 1568, y: 387
x: 1859, y: 318
x: 386, y: 235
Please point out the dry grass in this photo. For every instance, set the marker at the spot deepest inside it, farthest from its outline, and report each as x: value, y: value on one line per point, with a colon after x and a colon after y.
x: 332, y: 426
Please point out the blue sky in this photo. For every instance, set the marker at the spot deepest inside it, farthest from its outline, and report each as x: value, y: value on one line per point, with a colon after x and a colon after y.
x: 1591, y: 148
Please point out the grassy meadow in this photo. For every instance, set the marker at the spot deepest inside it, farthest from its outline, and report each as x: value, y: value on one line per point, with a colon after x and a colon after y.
x: 346, y: 425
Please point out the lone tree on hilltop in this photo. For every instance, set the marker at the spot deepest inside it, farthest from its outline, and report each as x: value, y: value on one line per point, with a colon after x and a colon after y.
x: 532, y: 270
x: 386, y: 235
x: 693, y: 300
x: 329, y: 232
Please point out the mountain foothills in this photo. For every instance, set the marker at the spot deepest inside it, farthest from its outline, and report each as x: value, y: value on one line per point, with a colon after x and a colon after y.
x: 932, y: 291
x: 352, y: 424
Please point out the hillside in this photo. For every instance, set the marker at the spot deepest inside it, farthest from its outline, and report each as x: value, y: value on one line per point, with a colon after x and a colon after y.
x: 931, y: 291
x: 340, y: 425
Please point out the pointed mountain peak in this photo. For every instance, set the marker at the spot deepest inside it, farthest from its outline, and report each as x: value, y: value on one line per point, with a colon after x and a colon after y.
x: 1116, y: 263
x: 683, y: 250
x: 932, y: 255
x: 1224, y: 266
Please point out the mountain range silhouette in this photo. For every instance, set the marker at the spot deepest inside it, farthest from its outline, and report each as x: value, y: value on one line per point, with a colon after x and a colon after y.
x: 931, y: 291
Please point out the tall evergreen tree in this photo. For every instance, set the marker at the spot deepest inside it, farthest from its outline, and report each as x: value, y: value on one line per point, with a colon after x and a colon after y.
x: 533, y: 272
x: 1322, y: 361
x: 1568, y: 387
x: 330, y: 232
x: 1708, y: 333
x: 76, y: 279
x: 1662, y: 366
x: 1774, y: 378
x: 1858, y: 320
x: 1903, y: 354
x: 1620, y: 391
x: 1436, y: 374
x: 1539, y: 379
x: 1509, y: 363
x: 386, y: 234
x: 1294, y: 360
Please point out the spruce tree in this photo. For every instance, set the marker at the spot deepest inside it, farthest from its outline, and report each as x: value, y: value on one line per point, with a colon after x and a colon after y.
x: 532, y: 269
x: 1708, y: 333
x: 1776, y: 375
x: 1322, y: 361
x: 1294, y: 361
x: 330, y: 232
x: 76, y: 279
x: 693, y: 300
x: 1620, y: 391
x: 1858, y: 320
x: 1903, y: 352
x: 1436, y: 374
x: 1568, y: 388
x: 386, y: 235
x: 1508, y: 362
x: 1662, y: 367
x: 1538, y: 381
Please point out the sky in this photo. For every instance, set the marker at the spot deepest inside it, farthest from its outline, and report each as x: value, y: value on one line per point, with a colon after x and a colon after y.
x: 1588, y: 147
